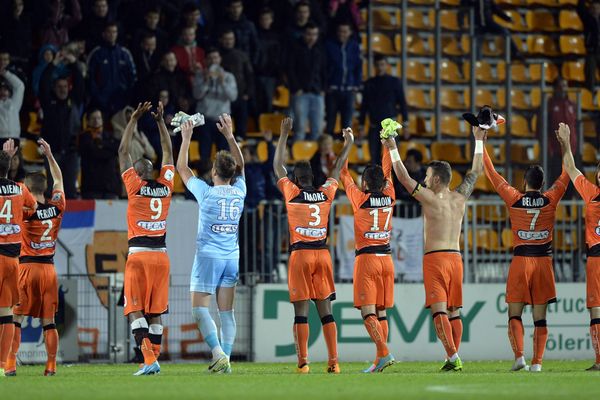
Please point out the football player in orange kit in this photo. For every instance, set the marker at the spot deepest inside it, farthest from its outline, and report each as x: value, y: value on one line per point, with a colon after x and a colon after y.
x: 146, y: 284
x: 310, y: 274
x: 530, y: 275
x: 373, y: 206
x: 590, y: 193
x: 38, y: 285
x: 15, y: 199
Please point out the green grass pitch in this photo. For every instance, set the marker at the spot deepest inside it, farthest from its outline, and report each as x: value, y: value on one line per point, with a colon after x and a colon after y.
x: 409, y: 380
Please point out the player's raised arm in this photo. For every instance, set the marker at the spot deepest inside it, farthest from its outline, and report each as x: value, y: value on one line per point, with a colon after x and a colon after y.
x: 54, y: 168
x: 225, y: 126
x: 343, y: 157
x: 279, y: 159
x: 468, y: 183
x: 125, y: 161
x: 165, y: 138
x: 502, y: 187
x: 187, y: 128
x: 563, y: 134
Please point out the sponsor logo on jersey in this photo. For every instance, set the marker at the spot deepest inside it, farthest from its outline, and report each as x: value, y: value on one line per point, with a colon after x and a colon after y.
x: 169, y: 175
x: 377, y: 235
x: 57, y: 196
x: 311, y: 232
x: 42, y: 246
x: 152, y: 225
x: 156, y: 191
x: 224, y: 228
x: 533, y: 235
x: 597, y: 230
x: 9, y: 229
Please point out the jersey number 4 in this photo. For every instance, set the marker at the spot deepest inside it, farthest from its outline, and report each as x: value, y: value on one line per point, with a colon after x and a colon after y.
x: 6, y: 211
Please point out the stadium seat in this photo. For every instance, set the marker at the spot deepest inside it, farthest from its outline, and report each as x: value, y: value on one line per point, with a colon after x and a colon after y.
x: 572, y: 45
x: 416, y: 45
x: 281, y: 98
x: 34, y: 125
x: 520, y: 100
x: 541, y: 20
x: 507, y: 238
x: 381, y: 43
x: 448, y: 151
x: 450, y: 73
x: 483, y: 72
x: 451, y: 125
x: 543, y: 3
x: 497, y: 152
x: 419, y: 99
x: 419, y: 20
x: 417, y: 71
x: 587, y: 100
x: 493, y: 46
x: 519, y: 127
x: 589, y: 156
x: 492, y: 213
x: 270, y: 122
x: 194, y: 150
x: 452, y: 3
x: 519, y: 72
x: 359, y: 154
x: 487, y: 239
x: 30, y: 151
x: 518, y: 178
x: 518, y: 23
x: 452, y: 100
x: 421, y: 2
x: 551, y: 71
x: 565, y: 241
x: 304, y: 149
x: 420, y: 126
x: 262, y: 150
x: 542, y: 45
x: 521, y: 154
x: 385, y: 19
x: 178, y: 186
x: 574, y: 71
x: 568, y: 20
x: 405, y: 146
x: 568, y: 2
x: 455, y: 48
x: 511, y: 3
x: 590, y: 176
x: 589, y: 128
x: 566, y: 213
x: 483, y: 184
x: 449, y: 20
x: 455, y: 179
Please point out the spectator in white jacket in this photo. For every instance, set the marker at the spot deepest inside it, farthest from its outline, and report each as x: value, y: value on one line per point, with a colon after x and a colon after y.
x: 11, y: 99
x: 215, y: 89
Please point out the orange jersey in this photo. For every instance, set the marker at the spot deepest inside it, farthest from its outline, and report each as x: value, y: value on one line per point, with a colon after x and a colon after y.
x: 40, y: 229
x: 590, y: 193
x: 308, y: 213
x: 372, y: 211
x: 148, y: 207
x: 15, y: 198
x: 532, y: 214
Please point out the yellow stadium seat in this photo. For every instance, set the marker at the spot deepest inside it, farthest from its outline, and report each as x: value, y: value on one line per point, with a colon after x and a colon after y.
x: 521, y: 154
x: 542, y: 45
x: 31, y: 153
x: 405, y: 146
x: 487, y: 239
x: 541, y: 20
x: 451, y: 125
x: 34, y: 126
x: 520, y: 99
x: 417, y: 98
x: 194, y: 154
x: 520, y: 127
x: 178, y: 186
x: 569, y: 20
x: 449, y: 20
x: 281, y: 98
x: 262, y: 150
x: 587, y: 101
x: 568, y: 2
x: 566, y: 213
x: 386, y: 19
x: 447, y: 151
x: 270, y: 122
x: 381, y: 43
x: 419, y: 20
x: 417, y: 71
x: 519, y: 72
x: 511, y: 3
x: 543, y: 3
x: 518, y: 178
x: 590, y: 176
x: 497, y: 152
x: 455, y: 179
x: 359, y: 156
x: 483, y: 184
x: 507, y: 238
x: 484, y: 72
x: 572, y: 45
x: 589, y: 156
x: 589, y: 128
x: 452, y: 100
x: 416, y: 45
x: 449, y: 72
x: 493, y: 46
x: 518, y: 22
x: 574, y: 71
x: 565, y: 241
x: 482, y: 97
x: 304, y: 149
x: 419, y: 126
x: 492, y: 213
x: 535, y: 72
x: 452, y: 3
x: 421, y: 2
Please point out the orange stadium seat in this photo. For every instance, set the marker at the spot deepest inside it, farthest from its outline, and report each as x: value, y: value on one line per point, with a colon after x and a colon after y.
x: 520, y: 127
x: 569, y: 20
x: 449, y: 20
x: 574, y: 71
x: 511, y: 3
x: 493, y: 47
x: 541, y: 20
x: 568, y: 2
x: 421, y: 2
x: 452, y: 100
x: 520, y: 99
x: 566, y: 213
x: 304, y: 149
x: 270, y: 122
x: 535, y: 72
x: 482, y: 97
x: 359, y: 154
x: 418, y: 98
x: 589, y: 156
x: 455, y: 179
x: 419, y: 20
x: 405, y: 146
x: 281, y: 97
x: 451, y: 125
x: 543, y: 3
x: 417, y: 71
x: 590, y: 176
x: 30, y: 151
x: 518, y: 23
x: 521, y: 154
x: 587, y: 101
x: 507, y: 238
x: 497, y: 152
x: 589, y: 128
x: 453, y: 47
x: 484, y: 72
x: 542, y: 45
x: 572, y: 45
x: 518, y: 178
x: 449, y: 72
x: 385, y: 19
x: 519, y: 72
x: 452, y: 3
x: 194, y: 150
x: 565, y: 241
x: 483, y: 184
x: 381, y: 43
x: 178, y: 186
x: 448, y: 151
x: 420, y: 126
x: 416, y: 45
x: 262, y: 150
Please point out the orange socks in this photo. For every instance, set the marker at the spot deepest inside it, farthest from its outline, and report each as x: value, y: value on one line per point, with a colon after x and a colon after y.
x: 51, y: 341
x: 540, y: 336
x: 457, y: 330
x: 515, y: 335
x: 330, y: 333
x: 595, y: 335
x: 443, y: 329
x: 301, y: 339
x: 377, y: 335
x: 7, y: 330
x: 11, y: 361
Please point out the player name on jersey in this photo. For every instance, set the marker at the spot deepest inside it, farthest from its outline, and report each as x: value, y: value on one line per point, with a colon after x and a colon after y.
x: 9, y: 189
x: 46, y: 213
x: 532, y: 201
x: 377, y: 201
x: 314, y: 197
x: 154, y: 189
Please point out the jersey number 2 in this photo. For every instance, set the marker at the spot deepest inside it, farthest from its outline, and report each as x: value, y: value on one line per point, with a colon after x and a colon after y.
x: 45, y: 237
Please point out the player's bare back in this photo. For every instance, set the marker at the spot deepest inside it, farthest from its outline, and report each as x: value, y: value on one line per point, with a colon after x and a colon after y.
x: 443, y: 215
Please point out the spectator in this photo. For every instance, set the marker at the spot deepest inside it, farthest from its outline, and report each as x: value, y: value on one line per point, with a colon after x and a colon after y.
x: 98, y: 150
x: 200, y: 17
x: 214, y: 89
x: 140, y: 145
x: 246, y: 38
x: 112, y: 73
x: 344, y: 76
x: 93, y: 26
x: 306, y: 75
x: 46, y: 55
x: 61, y: 103
x: 148, y: 125
x: 238, y: 63
x: 190, y: 57
x: 12, y: 90
x: 345, y: 11
x: 590, y: 16
x: 268, y: 68
x: 383, y: 97
x: 76, y: 48
x: 169, y: 76
x: 146, y: 56
x: 151, y: 20
x: 323, y: 162
x: 6, y: 64
x: 16, y: 33
x: 16, y: 172
x: 301, y: 18
x: 56, y: 28
x: 414, y: 165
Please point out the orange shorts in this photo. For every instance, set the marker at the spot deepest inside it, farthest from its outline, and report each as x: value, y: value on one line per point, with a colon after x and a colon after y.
x: 9, y: 272
x: 530, y: 281
x: 310, y: 275
x: 38, y: 290
x: 147, y: 282
x: 442, y: 277
x: 592, y: 273
x: 374, y: 281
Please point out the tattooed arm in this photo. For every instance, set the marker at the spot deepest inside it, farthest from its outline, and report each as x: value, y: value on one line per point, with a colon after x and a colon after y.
x: 468, y: 184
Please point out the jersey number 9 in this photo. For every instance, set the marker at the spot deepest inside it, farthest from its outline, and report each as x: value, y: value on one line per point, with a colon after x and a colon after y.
x: 156, y: 207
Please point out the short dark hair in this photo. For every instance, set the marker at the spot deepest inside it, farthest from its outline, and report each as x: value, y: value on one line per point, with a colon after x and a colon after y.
x: 303, y: 173
x: 4, y: 164
x: 416, y: 154
x: 344, y: 22
x: 534, y: 177
x: 109, y: 24
x: 152, y: 10
x: 301, y: 3
x: 148, y: 35
x: 233, y: 2
x: 189, y: 7
x: 442, y: 170
x: 266, y: 10
x: 212, y: 50
x: 225, y: 165
x: 310, y: 25
x: 379, y: 57
x: 92, y: 110
x: 374, y: 178
x: 36, y: 182
x: 225, y: 31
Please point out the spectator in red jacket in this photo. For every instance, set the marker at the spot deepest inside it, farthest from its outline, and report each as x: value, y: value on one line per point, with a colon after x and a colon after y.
x: 190, y: 57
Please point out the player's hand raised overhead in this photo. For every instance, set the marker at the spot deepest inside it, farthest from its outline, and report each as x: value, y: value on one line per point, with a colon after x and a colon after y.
x: 286, y: 125
x: 141, y: 109
x: 187, y: 129
x: 390, y: 143
x: 348, y: 135
x: 225, y: 126
x: 160, y: 110
x: 9, y: 147
x: 563, y: 134
x: 45, y: 148
x: 479, y: 134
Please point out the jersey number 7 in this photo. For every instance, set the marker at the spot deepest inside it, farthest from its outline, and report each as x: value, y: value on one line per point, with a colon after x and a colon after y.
x: 536, y: 214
